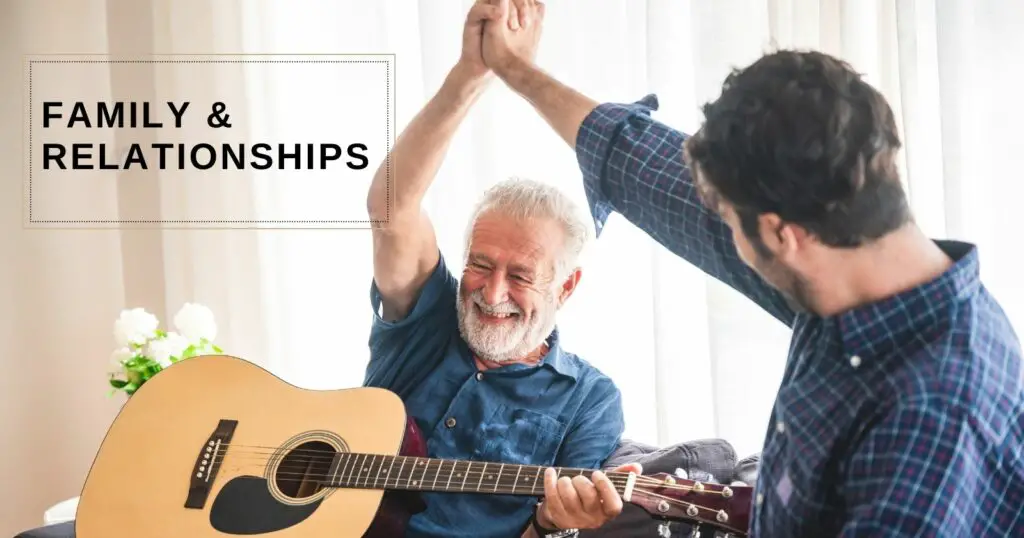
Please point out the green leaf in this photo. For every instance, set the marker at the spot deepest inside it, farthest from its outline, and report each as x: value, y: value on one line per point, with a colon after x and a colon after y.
x: 118, y: 383
x: 190, y: 351
x: 217, y: 349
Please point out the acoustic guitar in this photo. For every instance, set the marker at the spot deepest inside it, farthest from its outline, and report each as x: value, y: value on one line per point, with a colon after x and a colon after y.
x: 215, y: 446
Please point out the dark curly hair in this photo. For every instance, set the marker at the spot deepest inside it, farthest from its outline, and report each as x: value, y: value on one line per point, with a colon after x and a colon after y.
x: 801, y: 135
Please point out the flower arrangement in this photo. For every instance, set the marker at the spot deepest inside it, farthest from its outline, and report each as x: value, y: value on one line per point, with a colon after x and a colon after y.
x: 143, y: 349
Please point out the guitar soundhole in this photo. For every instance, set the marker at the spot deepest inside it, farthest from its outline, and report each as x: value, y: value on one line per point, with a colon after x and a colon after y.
x: 302, y: 471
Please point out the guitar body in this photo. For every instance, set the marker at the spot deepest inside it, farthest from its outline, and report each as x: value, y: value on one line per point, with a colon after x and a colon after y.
x: 216, y: 446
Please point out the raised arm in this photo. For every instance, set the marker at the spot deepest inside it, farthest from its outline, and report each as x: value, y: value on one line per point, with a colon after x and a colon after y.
x: 632, y: 165
x: 405, y: 251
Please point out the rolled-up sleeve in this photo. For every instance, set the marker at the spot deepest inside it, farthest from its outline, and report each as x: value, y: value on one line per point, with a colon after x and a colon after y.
x: 633, y: 165
x: 404, y: 351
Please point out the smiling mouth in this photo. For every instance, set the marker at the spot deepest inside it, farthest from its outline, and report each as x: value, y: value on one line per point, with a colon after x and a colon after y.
x: 495, y: 317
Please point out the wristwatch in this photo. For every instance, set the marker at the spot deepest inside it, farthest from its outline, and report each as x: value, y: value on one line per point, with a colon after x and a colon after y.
x: 544, y: 532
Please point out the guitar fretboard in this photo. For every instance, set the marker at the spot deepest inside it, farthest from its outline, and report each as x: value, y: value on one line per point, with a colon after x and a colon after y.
x: 370, y: 471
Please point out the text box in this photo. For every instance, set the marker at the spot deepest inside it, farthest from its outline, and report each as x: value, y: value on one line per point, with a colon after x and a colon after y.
x: 211, y: 141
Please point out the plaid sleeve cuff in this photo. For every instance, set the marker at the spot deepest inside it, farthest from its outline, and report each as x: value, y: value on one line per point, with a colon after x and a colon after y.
x: 595, y: 142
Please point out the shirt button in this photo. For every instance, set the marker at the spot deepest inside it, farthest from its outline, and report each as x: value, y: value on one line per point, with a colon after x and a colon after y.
x: 450, y: 422
x: 479, y: 376
x: 855, y: 361
x: 780, y: 427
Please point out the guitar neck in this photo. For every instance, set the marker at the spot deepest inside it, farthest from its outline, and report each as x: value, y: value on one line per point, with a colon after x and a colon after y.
x: 370, y: 471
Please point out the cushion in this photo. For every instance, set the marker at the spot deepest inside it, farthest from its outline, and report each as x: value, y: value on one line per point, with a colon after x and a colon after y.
x: 58, y: 530
x: 707, y: 460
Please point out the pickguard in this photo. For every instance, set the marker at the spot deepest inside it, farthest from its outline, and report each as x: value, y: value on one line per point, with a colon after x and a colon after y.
x: 245, y: 506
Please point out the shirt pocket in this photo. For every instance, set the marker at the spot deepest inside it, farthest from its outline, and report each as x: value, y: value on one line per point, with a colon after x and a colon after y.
x: 517, y: 435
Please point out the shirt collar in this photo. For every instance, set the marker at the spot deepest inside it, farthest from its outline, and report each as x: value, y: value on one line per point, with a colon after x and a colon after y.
x: 557, y: 359
x: 910, y: 318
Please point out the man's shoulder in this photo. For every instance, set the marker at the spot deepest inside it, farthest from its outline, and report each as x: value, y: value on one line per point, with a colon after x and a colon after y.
x: 592, y: 378
x: 973, y: 364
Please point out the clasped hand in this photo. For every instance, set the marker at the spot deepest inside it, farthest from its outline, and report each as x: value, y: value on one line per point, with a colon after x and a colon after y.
x: 579, y: 503
x: 498, y: 33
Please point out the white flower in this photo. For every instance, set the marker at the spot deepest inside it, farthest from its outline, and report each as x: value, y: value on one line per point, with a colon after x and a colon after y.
x: 134, y: 326
x: 195, y: 322
x: 120, y: 355
x: 162, y: 349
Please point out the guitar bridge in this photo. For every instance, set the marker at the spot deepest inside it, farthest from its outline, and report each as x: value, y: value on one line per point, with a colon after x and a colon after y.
x: 208, y: 463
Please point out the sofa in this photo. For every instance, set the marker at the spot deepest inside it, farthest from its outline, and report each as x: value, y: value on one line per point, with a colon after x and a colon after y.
x: 707, y: 460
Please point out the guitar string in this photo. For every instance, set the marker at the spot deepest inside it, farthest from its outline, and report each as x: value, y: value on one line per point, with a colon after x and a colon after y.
x: 514, y: 489
x: 328, y: 457
x: 301, y: 469
x: 354, y: 482
x: 472, y: 474
x: 325, y: 458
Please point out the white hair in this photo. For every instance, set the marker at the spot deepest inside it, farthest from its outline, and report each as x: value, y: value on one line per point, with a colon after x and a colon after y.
x: 527, y: 199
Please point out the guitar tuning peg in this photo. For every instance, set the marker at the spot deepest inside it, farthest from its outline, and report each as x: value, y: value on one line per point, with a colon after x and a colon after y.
x: 664, y: 531
x: 670, y: 480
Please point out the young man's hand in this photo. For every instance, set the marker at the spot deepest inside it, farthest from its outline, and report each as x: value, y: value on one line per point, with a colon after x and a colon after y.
x: 515, y: 35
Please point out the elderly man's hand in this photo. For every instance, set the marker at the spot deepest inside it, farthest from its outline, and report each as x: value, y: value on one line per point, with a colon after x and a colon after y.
x: 579, y: 503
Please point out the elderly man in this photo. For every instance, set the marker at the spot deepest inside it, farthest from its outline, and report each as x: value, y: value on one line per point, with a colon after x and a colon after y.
x: 901, y: 411
x: 479, y: 363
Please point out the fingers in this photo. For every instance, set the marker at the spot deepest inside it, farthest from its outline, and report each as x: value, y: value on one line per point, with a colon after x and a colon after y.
x: 590, y: 500
x: 522, y: 13
x: 608, y: 497
x: 483, y: 11
x: 629, y: 467
x: 513, y: 14
x: 568, y: 497
x: 551, y: 498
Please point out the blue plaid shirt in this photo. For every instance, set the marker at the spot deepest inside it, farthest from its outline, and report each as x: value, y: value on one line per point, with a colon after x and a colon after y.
x: 900, y: 418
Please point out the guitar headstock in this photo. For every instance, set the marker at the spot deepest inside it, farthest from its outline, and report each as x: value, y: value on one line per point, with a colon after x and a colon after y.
x: 718, y: 506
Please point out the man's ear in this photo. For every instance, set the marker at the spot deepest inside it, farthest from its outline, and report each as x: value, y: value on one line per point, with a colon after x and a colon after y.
x: 569, y: 286
x: 784, y: 239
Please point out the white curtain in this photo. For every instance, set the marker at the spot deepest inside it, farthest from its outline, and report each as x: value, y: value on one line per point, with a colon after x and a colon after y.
x: 692, y: 358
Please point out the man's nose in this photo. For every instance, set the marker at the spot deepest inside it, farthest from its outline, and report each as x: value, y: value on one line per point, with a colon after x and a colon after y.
x: 495, y: 289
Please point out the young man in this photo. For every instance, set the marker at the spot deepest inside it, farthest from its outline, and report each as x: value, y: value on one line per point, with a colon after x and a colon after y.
x: 479, y: 363
x: 901, y: 411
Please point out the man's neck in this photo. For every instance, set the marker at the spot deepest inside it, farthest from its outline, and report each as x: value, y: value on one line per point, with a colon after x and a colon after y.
x: 532, y: 359
x: 896, y: 263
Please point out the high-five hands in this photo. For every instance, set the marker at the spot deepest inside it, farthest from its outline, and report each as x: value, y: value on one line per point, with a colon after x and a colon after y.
x: 578, y: 503
x: 514, y: 35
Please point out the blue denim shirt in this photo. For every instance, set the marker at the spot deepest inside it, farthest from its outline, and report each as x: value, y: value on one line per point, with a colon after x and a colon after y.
x: 562, y: 412
x: 904, y: 417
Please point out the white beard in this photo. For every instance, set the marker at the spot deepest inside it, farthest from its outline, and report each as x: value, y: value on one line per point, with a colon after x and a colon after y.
x: 509, y: 341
